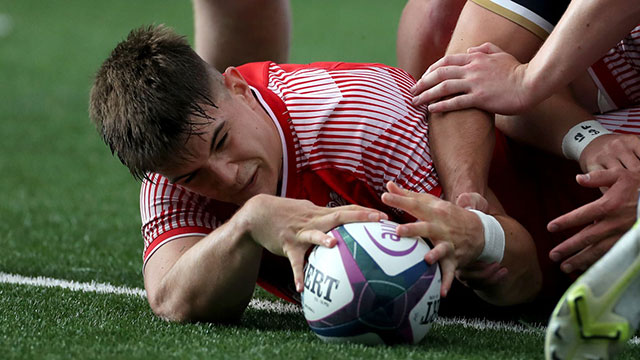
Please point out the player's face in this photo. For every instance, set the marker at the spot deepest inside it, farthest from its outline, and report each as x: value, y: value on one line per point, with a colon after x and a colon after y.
x: 238, y: 155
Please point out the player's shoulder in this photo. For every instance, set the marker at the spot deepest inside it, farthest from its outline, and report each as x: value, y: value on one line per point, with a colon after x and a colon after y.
x: 330, y: 66
x: 260, y: 72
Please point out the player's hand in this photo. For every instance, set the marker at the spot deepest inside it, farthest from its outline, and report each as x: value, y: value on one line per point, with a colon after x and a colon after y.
x: 479, y: 275
x: 289, y: 227
x: 457, y: 234
x: 485, y: 77
x: 612, y: 151
x: 605, y: 220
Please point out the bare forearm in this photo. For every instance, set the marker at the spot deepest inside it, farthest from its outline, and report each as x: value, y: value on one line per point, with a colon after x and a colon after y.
x: 584, y: 33
x: 462, y: 146
x: 462, y: 141
x: 213, y: 280
x: 544, y: 126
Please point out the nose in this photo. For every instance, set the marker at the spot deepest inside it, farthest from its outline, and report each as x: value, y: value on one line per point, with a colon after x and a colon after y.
x: 224, y: 173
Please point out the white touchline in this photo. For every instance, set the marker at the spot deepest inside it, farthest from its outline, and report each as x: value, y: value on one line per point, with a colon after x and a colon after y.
x: 257, y: 304
x: 71, y: 285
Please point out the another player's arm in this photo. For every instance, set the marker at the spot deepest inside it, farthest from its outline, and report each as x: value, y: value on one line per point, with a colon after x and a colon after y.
x: 584, y: 33
x: 545, y: 125
x: 462, y: 141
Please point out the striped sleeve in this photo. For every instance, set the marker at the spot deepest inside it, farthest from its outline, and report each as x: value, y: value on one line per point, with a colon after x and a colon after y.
x: 617, y: 73
x: 170, y: 212
x: 358, y: 119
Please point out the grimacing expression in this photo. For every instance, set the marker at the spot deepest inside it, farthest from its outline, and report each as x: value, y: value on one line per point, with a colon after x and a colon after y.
x: 237, y: 155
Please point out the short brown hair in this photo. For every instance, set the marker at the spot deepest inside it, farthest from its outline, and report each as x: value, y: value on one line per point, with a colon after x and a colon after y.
x: 144, y: 96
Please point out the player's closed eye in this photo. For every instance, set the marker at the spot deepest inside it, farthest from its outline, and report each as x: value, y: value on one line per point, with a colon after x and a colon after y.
x: 190, y: 177
x: 221, y: 142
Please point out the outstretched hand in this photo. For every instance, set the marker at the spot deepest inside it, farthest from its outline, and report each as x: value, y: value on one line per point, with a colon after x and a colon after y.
x: 289, y: 227
x: 457, y: 234
x: 604, y: 220
x: 485, y: 77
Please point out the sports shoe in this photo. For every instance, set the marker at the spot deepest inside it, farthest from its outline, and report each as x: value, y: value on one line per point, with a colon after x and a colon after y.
x: 601, y: 310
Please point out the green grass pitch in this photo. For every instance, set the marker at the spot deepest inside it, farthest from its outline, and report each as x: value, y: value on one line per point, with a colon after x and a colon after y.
x: 69, y: 210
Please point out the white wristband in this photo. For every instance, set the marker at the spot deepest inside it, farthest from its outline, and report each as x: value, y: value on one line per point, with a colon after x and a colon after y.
x: 579, y: 136
x: 493, y: 250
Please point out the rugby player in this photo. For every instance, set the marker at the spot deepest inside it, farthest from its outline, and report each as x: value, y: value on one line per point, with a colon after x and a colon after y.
x: 244, y: 171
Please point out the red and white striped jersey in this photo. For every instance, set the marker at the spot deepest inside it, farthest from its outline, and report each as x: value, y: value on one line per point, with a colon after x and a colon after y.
x: 617, y: 73
x: 346, y: 129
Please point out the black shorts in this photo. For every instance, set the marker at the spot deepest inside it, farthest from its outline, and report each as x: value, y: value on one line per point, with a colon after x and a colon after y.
x: 537, y: 16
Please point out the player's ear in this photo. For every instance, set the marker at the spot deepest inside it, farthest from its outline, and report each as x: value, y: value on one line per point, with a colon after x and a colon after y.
x: 235, y: 82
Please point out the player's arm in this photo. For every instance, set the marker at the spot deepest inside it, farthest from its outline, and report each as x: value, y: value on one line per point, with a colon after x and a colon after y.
x: 488, y: 77
x: 462, y: 141
x: 584, y: 33
x: 601, y: 222
x: 212, y: 278
x: 459, y: 240
x: 551, y: 126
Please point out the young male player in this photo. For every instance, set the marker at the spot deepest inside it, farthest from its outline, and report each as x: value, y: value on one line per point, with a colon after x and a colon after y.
x: 244, y: 170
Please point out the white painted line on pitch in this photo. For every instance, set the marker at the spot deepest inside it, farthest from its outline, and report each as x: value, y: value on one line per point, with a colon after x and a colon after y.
x: 482, y: 324
x: 71, y: 285
x: 104, y: 288
x: 257, y: 304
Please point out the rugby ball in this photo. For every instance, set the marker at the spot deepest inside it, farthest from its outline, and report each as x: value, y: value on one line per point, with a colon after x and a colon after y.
x: 373, y: 287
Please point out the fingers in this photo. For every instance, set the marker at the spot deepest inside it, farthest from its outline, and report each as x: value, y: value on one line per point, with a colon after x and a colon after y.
x: 448, y: 60
x: 441, y: 84
x: 422, y: 229
x: 447, y: 265
x: 316, y: 237
x: 458, y: 102
x: 588, y: 256
x: 581, y: 216
x: 296, y: 251
x: 612, y: 226
x: 574, y: 244
x: 623, y: 190
x: 345, y: 214
x: 441, y: 73
x: 487, y: 48
x: 416, y: 204
x: 297, y: 265
x: 395, y: 189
